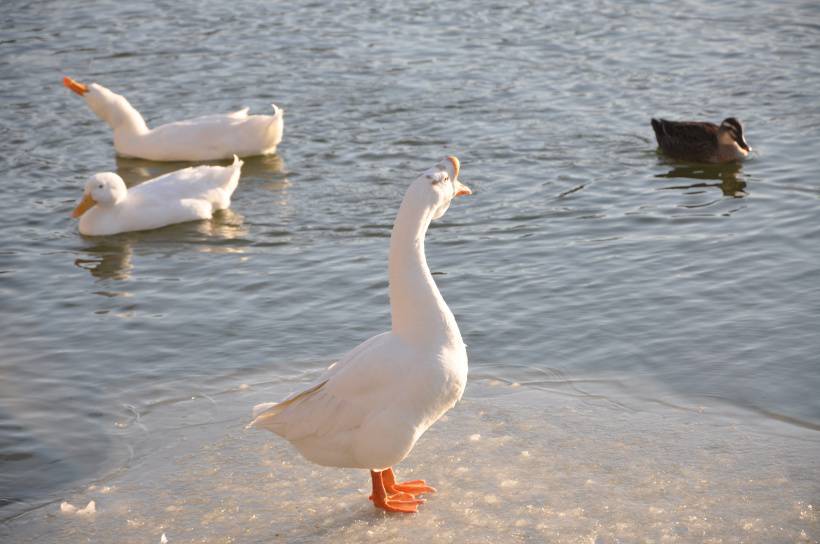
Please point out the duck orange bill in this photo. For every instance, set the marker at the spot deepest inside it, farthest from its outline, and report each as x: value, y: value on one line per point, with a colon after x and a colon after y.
x: 462, y: 190
x: 84, y: 205
x: 75, y: 86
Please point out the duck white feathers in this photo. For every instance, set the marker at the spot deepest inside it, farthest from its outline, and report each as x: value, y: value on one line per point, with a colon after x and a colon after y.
x: 211, y: 137
x: 370, y: 407
x: 109, y: 207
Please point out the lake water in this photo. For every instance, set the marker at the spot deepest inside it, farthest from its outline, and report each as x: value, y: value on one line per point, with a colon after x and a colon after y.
x: 643, y: 335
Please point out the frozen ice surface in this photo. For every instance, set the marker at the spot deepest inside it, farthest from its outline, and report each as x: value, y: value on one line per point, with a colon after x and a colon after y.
x: 510, y: 465
x: 68, y: 508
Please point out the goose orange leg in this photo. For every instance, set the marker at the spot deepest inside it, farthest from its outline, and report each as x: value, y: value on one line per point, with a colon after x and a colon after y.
x: 392, y: 501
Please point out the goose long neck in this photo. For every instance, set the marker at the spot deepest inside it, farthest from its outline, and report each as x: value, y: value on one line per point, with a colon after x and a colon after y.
x: 121, y: 116
x: 417, y: 308
x: 131, y: 119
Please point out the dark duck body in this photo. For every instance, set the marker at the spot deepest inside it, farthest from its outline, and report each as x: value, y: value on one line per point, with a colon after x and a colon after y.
x: 697, y: 141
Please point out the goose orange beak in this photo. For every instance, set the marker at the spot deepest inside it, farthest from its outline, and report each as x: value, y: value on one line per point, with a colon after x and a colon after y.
x: 75, y: 86
x: 462, y: 190
x: 85, y: 204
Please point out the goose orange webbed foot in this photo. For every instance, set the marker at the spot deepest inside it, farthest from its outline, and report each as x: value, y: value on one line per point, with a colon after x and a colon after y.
x: 413, y: 487
x: 398, y: 502
x: 393, y: 497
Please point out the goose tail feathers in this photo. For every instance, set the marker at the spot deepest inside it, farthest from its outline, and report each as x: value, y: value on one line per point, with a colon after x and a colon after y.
x: 265, y: 413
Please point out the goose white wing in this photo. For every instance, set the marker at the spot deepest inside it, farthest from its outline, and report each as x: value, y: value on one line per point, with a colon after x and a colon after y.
x: 274, y: 408
x: 196, y: 182
x: 210, y: 137
x: 237, y: 115
x: 324, y: 420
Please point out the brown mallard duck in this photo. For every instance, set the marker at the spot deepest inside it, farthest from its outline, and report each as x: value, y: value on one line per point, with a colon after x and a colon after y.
x: 699, y: 141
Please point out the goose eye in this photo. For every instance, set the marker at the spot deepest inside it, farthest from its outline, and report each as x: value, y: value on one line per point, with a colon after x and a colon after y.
x: 100, y: 186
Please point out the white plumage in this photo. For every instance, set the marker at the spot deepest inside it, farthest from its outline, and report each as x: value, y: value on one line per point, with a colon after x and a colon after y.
x: 211, y: 137
x: 369, y: 408
x: 109, y: 207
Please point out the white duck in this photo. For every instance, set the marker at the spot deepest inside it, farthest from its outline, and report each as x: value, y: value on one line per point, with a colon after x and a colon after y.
x: 109, y: 207
x: 211, y: 137
x: 370, y: 407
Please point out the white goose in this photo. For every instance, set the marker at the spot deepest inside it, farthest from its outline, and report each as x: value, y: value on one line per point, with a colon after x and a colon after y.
x: 212, y: 137
x: 370, y: 407
x: 109, y: 207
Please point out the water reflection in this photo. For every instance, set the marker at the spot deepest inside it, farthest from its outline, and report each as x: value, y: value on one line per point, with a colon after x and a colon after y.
x: 226, y: 226
x: 725, y: 177
x: 264, y: 166
x: 109, y: 258
x: 135, y: 171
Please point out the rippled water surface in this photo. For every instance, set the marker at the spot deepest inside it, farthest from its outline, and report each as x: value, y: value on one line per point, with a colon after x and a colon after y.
x: 642, y: 333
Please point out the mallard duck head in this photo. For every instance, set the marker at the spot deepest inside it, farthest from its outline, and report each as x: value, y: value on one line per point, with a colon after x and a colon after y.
x: 732, y: 127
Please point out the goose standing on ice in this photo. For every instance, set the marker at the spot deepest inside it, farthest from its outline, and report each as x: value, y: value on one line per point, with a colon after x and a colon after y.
x: 109, y: 207
x: 208, y: 138
x: 370, y: 407
x: 699, y: 141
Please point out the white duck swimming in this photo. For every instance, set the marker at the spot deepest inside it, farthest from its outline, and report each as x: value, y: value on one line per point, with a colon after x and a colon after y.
x: 109, y: 207
x: 370, y: 407
x: 212, y: 137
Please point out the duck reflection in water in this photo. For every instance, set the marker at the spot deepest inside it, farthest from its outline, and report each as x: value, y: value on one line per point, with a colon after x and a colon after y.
x: 135, y: 171
x: 109, y: 258
x: 725, y: 177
